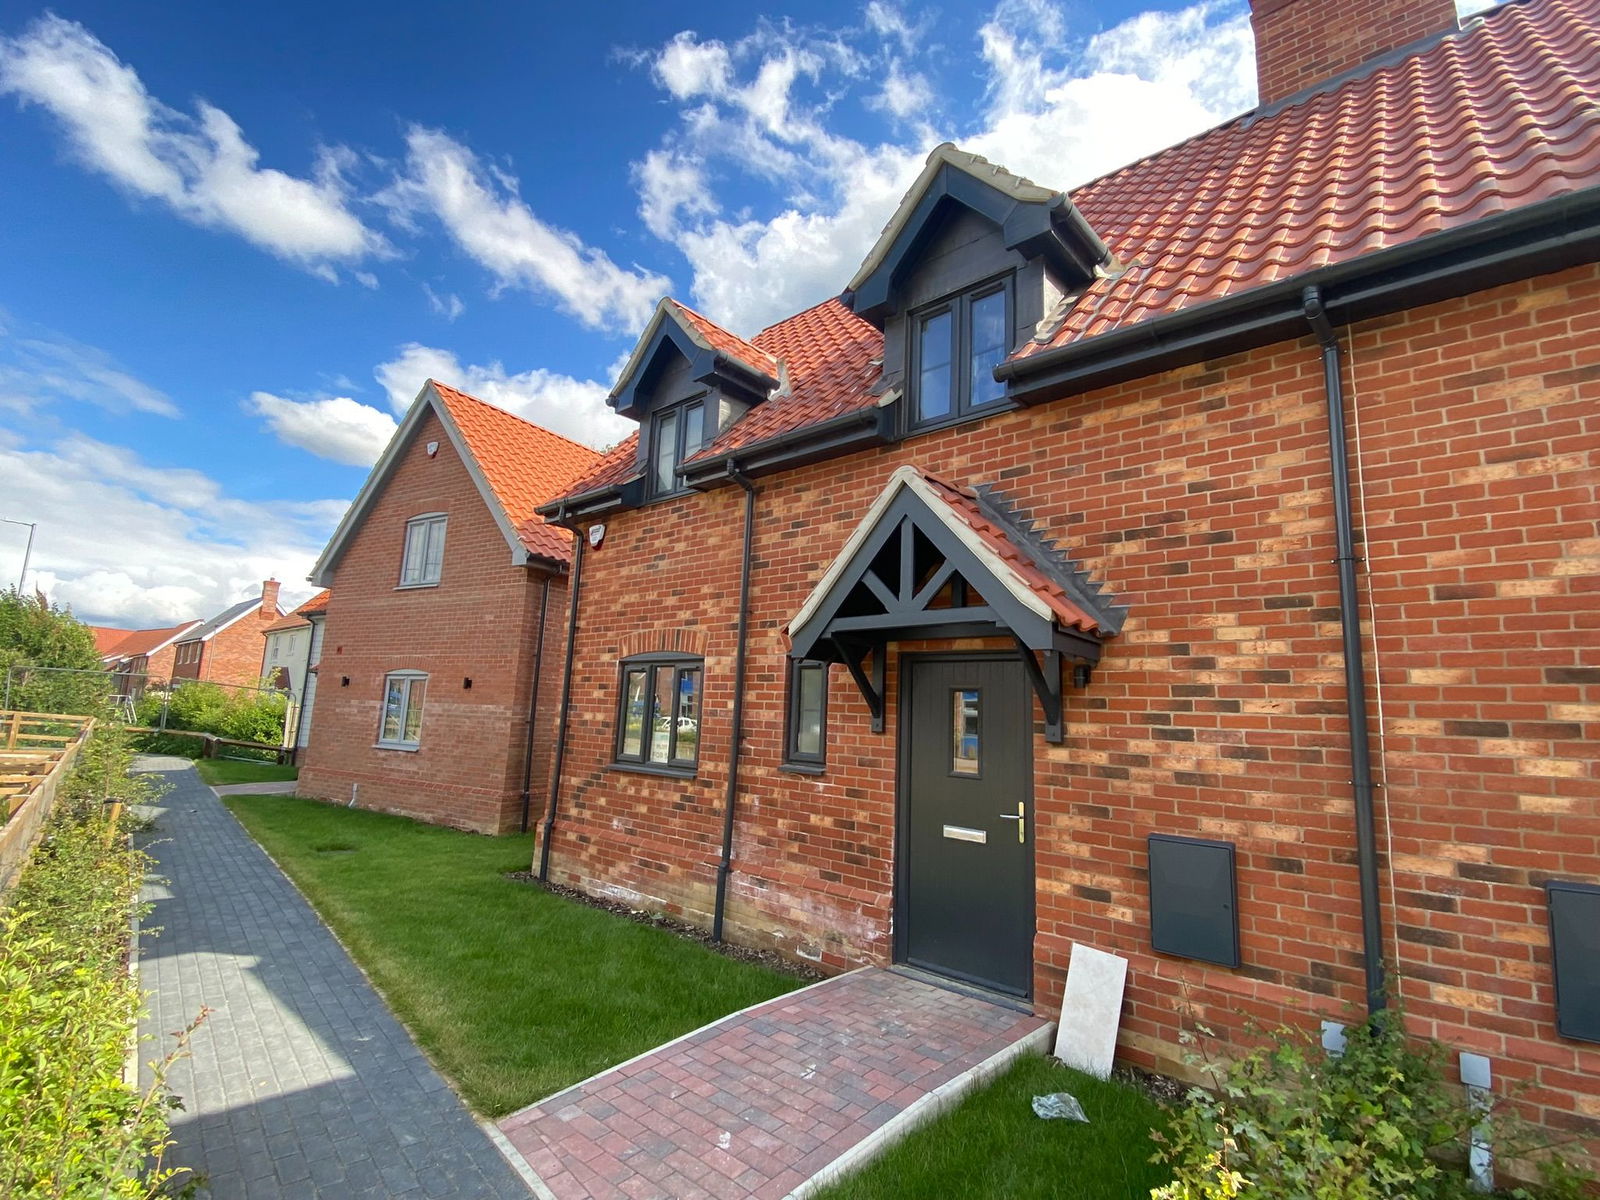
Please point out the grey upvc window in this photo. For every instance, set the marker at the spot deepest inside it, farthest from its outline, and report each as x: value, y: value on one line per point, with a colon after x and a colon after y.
x: 658, y: 712
x: 955, y: 347
x: 423, y: 559
x: 806, y: 739
x: 400, y: 727
x: 675, y: 434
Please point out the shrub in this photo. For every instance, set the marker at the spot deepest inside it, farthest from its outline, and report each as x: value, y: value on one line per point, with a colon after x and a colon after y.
x: 249, y: 716
x: 1287, y: 1120
x: 70, y: 1125
x: 33, y: 635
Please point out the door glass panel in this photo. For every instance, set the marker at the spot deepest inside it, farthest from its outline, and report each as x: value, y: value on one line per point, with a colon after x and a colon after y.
x: 933, y: 361
x: 633, y: 691
x: 965, y: 725
x: 661, y: 715
x: 988, y: 347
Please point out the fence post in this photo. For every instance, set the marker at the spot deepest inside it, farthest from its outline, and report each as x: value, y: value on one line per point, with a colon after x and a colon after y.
x: 16, y: 728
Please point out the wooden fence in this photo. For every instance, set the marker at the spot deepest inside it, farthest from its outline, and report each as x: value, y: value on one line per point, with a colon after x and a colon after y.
x: 36, y: 752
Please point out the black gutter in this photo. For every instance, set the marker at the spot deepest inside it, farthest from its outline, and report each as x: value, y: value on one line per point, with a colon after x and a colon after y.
x: 1354, y: 674
x: 1551, y: 235
x: 573, y: 591
x: 533, y: 703
x: 851, y: 431
x: 725, y: 863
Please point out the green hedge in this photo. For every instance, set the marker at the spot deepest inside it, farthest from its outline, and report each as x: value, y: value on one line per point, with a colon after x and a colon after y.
x: 70, y: 1125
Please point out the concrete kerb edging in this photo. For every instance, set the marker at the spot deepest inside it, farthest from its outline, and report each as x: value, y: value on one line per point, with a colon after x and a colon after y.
x: 940, y: 1100
x: 514, y: 1158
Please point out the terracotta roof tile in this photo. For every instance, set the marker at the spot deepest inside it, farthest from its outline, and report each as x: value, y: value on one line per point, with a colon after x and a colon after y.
x: 524, y: 464
x: 297, y: 619
x: 1498, y: 116
x: 1030, y: 565
x: 1493, y: 118
x: 143, y: 641
x: 107, y: 639
x: 727, y: 344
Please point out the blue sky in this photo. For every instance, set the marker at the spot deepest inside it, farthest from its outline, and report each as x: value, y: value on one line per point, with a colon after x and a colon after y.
x: 234, y: 240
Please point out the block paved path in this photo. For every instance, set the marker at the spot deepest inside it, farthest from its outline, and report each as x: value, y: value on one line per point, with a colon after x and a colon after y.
x: 761, y: 1102
x: 302, y: 1083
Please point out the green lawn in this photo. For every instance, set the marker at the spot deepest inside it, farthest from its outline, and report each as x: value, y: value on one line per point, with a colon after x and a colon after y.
x: 992, y: 1145
x: 224, y: 770
x: 515, y: 992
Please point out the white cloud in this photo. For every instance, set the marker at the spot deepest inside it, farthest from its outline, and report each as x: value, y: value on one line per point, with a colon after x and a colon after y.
x: 1059, y: 109
x: 448, y: 305
x: 129, y: 544
x: 480, y: 209
x: 574, y: 408
x: 39, y: 367
x: 687, y: 67
x: 333, y: 427
x: 199, y: 166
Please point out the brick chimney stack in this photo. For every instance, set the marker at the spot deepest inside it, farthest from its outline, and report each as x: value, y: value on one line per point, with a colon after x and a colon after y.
x: 269, y: 596
x: 1301, y: 43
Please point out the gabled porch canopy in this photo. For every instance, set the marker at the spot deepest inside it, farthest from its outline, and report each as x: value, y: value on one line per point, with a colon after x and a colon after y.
x: 930, y: 560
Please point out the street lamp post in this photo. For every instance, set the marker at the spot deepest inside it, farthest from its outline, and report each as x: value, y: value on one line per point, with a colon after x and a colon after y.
x: 27, y: 551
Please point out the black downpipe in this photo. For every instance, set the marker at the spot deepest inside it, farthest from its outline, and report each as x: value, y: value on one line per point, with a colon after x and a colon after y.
x: 566, y: 712
x: 725, y: 864
x: 533, y: 703
x: 1354, y: 675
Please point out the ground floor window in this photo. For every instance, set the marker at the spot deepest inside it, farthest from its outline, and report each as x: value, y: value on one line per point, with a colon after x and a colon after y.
x: 403, y: 693
x: 808, y: 714
x: 658, y: 719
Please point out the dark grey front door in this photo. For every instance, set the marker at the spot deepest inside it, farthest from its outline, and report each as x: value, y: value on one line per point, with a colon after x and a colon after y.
x: 965, y: 903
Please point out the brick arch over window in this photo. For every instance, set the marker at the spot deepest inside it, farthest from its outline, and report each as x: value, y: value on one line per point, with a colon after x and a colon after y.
x: 675, y: 641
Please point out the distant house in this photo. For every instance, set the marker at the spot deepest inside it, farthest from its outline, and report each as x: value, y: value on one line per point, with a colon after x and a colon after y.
x: 140, y: 657
x: 227, y: 648
x: 286, y: 657
x: 438, y: 671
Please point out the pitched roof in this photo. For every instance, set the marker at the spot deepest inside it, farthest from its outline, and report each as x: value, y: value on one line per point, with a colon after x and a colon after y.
x: 222, y: 620
x: 1493, y: 118
x: 297, y: 619
x: 525, y: 465
x: 148, y: 641
x: 728, y: 344
x: 107, y: 639
x: 516, y: 464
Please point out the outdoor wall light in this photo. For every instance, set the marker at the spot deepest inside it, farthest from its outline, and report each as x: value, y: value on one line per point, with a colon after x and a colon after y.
x: 344, y: 681
x: 466, y: 684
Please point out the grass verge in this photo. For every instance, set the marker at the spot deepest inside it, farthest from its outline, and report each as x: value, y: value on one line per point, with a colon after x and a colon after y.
x: 218, y: 771
x: 992, y: 1145
x: 516, y: 993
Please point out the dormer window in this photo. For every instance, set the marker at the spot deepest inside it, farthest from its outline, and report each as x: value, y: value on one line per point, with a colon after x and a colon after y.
x: 676, y: 433
x: 955, y: 347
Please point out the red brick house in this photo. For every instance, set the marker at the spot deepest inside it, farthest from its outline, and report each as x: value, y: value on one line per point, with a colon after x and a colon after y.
x: 227, y: 648
x: 439, y: 661
x: 139, y: 657
x: 1202, y: 565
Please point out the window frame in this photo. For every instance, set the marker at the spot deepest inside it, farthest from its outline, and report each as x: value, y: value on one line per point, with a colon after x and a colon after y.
x: 410, y: 677
x: 677, y: 411
x: 676, y: 666
x: 439, y: 519
x: 959, y: 306
x: 793, y: 756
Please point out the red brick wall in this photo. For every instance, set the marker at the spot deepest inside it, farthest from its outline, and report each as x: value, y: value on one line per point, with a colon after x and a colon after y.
x: 1300, y: 43
x: 234, y: 655
x: 1201, y: 498
x: 481, y: 622
x: 158, y: 666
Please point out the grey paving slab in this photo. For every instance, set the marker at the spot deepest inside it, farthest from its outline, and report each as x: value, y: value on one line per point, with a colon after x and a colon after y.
x: 300, y: 1083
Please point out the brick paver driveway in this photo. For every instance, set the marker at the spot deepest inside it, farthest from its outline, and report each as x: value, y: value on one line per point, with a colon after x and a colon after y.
x: 301, y: 1084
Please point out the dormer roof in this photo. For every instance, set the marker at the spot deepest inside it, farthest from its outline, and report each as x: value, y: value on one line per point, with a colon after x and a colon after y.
x: 716, y: 357
x: 1037, y: 222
